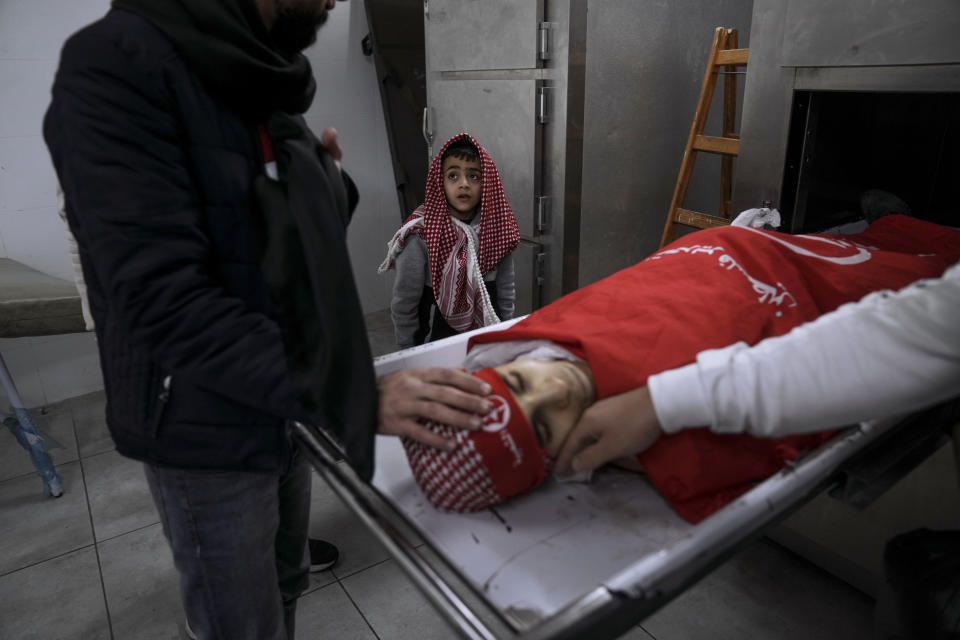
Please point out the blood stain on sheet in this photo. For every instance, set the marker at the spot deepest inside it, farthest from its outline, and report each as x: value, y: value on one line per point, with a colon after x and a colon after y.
x: 500, y: 518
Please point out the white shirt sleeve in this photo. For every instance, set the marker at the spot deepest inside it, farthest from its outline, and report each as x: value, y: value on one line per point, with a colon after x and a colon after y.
x: 886, y: 354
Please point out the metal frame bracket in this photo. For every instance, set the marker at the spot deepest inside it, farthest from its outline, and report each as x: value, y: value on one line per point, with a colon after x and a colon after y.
x: 544, y: 44
x: 540, y: 267
x: 542, y: 219
x: 543, y: 105
x: 427, y: 130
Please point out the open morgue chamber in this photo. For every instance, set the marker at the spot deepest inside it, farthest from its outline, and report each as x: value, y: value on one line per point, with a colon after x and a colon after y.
x: 841, y: 99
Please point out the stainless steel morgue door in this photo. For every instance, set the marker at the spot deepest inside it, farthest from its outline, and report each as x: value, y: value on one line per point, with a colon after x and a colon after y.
x: 487, y: 74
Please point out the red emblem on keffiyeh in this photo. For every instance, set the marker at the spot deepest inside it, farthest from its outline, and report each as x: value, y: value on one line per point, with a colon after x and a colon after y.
x: 489, y: 465
x: 498, y: 417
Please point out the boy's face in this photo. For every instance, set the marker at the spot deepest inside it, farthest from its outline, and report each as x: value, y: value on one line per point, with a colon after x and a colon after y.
x: 462, y: 181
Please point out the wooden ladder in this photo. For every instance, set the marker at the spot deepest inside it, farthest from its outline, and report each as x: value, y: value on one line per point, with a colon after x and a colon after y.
x: 723, y: 53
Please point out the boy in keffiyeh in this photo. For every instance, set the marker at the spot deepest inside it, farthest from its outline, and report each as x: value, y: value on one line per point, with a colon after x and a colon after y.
x: 453, y: 254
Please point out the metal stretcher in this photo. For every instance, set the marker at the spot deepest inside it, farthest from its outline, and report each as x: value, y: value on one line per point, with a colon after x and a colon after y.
x: 572, y: 558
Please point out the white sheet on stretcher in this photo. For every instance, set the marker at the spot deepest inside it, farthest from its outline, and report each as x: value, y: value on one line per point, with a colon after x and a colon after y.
x: 539, y: 551
x: 544, y: 549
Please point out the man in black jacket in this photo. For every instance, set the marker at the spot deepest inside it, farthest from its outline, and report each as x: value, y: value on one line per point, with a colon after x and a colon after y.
x: 211, y: 225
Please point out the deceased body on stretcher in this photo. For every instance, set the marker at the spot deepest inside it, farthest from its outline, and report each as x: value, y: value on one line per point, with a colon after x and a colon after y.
x: 554, y: 556
x: 707, y: 290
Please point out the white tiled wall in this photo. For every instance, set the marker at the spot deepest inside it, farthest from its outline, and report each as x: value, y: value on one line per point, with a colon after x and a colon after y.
x: 348, y: 100
x: 31, y: 34
x: 50, y: 368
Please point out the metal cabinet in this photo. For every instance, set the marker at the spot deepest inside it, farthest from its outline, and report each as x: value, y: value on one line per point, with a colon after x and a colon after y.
x: 527, y: 259
x: 588, y: 145
x: 878, y: 32
x: 487, y: 34
x: 486, y: 75
x: 501, y: 115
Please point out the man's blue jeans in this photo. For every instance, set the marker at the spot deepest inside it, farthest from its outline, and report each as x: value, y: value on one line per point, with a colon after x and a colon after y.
x: 239, y: 542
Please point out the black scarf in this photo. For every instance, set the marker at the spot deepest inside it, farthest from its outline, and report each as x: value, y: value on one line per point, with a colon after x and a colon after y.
x: 226, y: 44
x: 306, y: 264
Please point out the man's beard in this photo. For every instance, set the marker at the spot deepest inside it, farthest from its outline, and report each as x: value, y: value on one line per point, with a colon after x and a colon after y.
x: 296, y: 24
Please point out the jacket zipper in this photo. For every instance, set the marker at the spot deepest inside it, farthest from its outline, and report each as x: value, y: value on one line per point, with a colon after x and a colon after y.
x: 162, y: 398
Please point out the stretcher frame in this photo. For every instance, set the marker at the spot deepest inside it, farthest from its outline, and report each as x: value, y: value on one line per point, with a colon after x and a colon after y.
x: 844, y: 465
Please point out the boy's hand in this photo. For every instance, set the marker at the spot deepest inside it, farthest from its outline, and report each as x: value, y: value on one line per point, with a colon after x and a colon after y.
x: 450, y: 396
x: 612, y: 428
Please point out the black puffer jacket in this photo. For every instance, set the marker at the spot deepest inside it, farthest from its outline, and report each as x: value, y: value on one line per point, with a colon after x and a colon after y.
x: 157, y: 176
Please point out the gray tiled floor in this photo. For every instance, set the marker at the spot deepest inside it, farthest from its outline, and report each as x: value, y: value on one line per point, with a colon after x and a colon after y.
x: 94, y: 563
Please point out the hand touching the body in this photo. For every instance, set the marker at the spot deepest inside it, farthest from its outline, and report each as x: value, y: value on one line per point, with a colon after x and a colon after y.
x: 612, y: 428
x: 449, y: 396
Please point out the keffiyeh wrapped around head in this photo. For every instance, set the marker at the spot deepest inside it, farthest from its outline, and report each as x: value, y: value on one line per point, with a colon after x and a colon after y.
x: 459, y: 289
x: 500, y: 460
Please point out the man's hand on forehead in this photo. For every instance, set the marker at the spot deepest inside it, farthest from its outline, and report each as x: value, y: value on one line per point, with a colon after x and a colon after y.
x: 449, y: 396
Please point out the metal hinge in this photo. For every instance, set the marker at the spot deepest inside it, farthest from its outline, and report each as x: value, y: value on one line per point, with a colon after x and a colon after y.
x: 426, y: 9
x: 543, y: 40
x: 427, y: 130
x: 542, y: 223
x: 540, y: 267
x: 543, y: 105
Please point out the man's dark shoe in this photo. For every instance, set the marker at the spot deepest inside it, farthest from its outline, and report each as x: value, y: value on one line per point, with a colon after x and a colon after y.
x: 922, y: 570
x: 323, y: 555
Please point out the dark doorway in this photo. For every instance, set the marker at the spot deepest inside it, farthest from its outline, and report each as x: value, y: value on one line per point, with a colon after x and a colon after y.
x: 396, y: 34
x: 844, y: 143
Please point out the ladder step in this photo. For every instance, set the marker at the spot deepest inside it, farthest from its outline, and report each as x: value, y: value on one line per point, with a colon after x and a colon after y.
x: 731, y: 57
x: 698, y: 220
x: 723, y: 53
x: 726, y: 146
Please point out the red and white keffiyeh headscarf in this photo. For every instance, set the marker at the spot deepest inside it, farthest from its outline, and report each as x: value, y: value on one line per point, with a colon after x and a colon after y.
x: 498, y: 461
x: 458, y: 258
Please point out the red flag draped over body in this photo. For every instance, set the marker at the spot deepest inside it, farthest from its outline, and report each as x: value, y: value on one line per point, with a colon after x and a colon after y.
x: 714, y: 288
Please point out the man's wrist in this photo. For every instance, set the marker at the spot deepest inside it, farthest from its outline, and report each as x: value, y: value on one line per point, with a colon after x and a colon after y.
x: 679, y: 399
